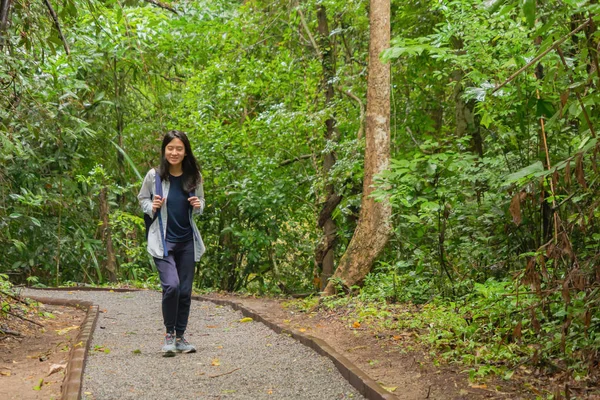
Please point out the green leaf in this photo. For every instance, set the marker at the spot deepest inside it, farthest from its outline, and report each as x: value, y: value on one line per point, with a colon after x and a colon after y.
x: 524, y: 172
x: 128, y: 159
x: 529, y: 12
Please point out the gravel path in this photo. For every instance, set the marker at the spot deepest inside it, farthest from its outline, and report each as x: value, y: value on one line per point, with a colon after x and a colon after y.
x: 235, y: 360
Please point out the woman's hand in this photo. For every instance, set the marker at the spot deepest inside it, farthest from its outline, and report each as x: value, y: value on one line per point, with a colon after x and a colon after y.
x: 157, y: 203
x: 195, y: 202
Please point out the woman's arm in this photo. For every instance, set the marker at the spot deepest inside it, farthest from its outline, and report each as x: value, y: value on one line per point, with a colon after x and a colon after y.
x: 145, y: 195
x: 200, y: 195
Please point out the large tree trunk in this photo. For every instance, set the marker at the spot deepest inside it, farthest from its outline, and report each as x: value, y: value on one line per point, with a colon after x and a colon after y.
x: 373, y: 229
x: 324, y: 254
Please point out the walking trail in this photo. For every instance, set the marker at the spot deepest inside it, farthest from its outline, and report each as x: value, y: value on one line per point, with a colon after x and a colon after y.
x: 235, y: 360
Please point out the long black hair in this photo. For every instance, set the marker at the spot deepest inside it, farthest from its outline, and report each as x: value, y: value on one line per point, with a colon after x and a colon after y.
x: 189, y: 165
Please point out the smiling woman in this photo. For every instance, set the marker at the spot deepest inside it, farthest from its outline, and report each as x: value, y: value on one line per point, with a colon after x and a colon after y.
x: 173, y: 238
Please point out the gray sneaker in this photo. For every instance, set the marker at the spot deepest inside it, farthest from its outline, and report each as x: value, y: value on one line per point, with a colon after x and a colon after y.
x: 183, y: 346
x: 169, y: 348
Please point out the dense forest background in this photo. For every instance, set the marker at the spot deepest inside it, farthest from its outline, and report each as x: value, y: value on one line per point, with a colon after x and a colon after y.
x: 493, y: 179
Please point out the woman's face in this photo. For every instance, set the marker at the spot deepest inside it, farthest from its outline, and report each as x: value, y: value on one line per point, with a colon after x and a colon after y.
x: 175, y: 151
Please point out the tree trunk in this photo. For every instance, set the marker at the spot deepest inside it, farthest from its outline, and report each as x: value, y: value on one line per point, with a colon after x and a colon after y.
x: 4, y: 11
x: 466, y: 123
x: 119, y: 127
x: 110, y: 265
x: 325, y: 252
x: 373, y: 229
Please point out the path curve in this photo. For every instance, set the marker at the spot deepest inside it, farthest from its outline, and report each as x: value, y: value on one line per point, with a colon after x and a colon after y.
x: 235, y: 360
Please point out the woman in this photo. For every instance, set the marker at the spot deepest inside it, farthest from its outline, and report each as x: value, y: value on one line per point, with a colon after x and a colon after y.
x: 173, y: 238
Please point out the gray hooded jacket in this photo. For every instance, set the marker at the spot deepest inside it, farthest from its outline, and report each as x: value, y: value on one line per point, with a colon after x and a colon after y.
x: 155, y: 243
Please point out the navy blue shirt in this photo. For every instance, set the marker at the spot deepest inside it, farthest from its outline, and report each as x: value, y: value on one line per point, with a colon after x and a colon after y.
x: 178, y: 212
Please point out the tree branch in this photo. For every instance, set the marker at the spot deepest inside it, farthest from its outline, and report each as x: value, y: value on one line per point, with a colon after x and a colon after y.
x: 538, y: 58
x: 23, y: 318
x: 299, y: 158
x: 310, y: 36
x: 360, y: 105
x: 162, y: 5
x: 585, y: 114
x: 57, y: 25
x: 14, y: 297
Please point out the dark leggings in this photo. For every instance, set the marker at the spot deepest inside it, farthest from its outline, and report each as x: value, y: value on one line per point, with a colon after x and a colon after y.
x: 176, y: 272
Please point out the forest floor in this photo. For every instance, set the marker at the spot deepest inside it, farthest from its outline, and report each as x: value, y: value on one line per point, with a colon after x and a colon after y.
x: 397, y: 360
x: 393, y: 359
x: 32, y: 365
x: 33, y: 356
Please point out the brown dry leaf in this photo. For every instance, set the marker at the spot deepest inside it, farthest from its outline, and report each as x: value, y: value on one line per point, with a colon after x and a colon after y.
x: 215, y: 362
x: 534, y: 321
x: 566, y: 294
x: 564, y: 97
x: 517, y: 330
x: 66, y: 330
x: 211, y: 326
x: 515, y: 209
x: 54, y: 368
x: 5, y: 373
x: 482, y: 386
x: 568, y: 173
x: 587, y: 318
x: 356, y: 324
x: 270, y: 391
x: 396, y: 337
x: 579, y: 172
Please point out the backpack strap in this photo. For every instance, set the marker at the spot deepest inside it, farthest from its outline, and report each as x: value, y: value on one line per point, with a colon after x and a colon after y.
x: 159, y: 191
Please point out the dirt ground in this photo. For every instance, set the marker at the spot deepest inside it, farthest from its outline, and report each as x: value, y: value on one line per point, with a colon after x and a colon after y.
x: 32, y: 366
x: 393, y: 359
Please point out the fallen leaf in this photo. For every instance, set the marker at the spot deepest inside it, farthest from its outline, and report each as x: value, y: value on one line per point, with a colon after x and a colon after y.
x: 137, y: 351
x: 215, y: 362
x: 482, y: 386
x: 65, y: 330
x: 286, y: 321
x: 211, y: 326
x: 247, y: 319
x: 5, y: 373
x: 88, y: 393
x: 396, y: 337
x: 356, y: 324
x: 390, y: 388
x: 302, y: 329
x: 54, y: 368
x: 270, y: 391
x: 39, y: 385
